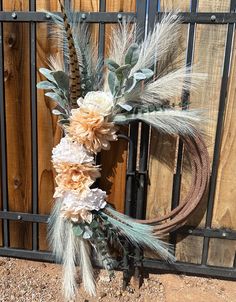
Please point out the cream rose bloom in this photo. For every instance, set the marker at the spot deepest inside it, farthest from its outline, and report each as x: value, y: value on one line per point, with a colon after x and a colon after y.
x: 76, y: 207
x: 99, y: 101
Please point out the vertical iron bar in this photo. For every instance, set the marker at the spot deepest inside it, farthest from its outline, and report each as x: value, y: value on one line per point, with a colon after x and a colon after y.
x: 102, y: 8
x: 34, y: 134
x: 3, y: 139
x: 185, y: 97
x: 219, y: 131
x: 140, y: 209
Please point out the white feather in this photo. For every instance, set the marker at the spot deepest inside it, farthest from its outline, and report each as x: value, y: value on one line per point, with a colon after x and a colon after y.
x: 139, y: 234
x: 86, y: 268
x: 122, y: 36
x: 56, y: 231
x: 171, y: 85
x: 169, y: 121
x: 158, y: 42
x: 69, y: 263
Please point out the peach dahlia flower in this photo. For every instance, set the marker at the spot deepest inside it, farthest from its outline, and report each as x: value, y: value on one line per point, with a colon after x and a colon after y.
x: 91, y: 129
x: 76, y: 178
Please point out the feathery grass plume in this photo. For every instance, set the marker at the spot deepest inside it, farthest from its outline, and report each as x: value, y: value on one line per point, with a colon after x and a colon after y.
x: 137, y: 233
x: 183, y: 122
x: 56, y: 231
x: 158, y: 42
x: 75, y: 92
x: 56, y: 63
x: 170, y: 85
x: 86, y: 268
x: 71, y: 250
x: 123, y: 35
x: 91, y: 67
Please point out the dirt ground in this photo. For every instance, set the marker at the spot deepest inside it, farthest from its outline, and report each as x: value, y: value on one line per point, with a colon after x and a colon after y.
x: 24, y: 281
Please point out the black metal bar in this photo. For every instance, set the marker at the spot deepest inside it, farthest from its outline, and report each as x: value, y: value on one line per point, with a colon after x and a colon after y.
x: 130, y: 193
x: 206, y: 18
x: 24, y: 216
x: 90, y: 17
x: 4, y: 184
x: 208, y: 232
x: 34, y: 133
x: 27, y: 254
x: 218, y: 137
x: 96, y: 17
x: 190, y: 268
x: 185, y: 97
x: 130, y: 196
x: 102, y: 8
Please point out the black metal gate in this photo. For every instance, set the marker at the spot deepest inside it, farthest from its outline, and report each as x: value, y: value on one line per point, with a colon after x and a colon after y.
x: 135, y: 205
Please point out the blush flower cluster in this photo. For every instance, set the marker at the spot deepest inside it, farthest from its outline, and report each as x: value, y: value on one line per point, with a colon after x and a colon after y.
x: 89, y: 132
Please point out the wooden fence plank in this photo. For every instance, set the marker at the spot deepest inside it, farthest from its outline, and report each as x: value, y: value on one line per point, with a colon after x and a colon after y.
x: 208, y: 59
x: 224, y: 204
x: 49, y: 132
x: 114, y: 161
x: 221, y: 252
x: 18, y: 122
x: 162, y: 159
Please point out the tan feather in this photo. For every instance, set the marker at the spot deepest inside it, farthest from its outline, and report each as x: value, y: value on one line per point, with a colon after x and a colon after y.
x: 75, y: 91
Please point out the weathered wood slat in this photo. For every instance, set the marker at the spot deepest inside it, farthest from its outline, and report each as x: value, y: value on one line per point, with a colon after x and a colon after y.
x: 208, y: 58
x: 114, y: 162
x: 18, y: 123
x: 49, y: 132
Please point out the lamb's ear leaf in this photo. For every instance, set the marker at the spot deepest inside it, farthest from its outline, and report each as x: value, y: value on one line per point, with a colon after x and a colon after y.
x: 58, y: 112
x: 111, y: 65
x: 126, y: 106
x: 64, y: 122
x: 130, y: 84
x: 139, y: 76
x: 132, y: 54
x: 112, y: 81
x: 123, y: 71
x: 46, y: 85
x: 148, y: 72
x: 62, y: 79
x: 55, y: 97
x: 47, y: 73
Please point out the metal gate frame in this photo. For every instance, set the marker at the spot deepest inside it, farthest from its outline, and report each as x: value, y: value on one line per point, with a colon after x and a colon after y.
x: 135, y: 203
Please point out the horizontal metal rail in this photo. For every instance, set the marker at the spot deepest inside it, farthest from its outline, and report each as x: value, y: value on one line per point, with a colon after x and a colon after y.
x: 148, y: 264
x: 24, y: 216
x: 189, y: 268
x: 186, y: 230
x: 93, y: 17
x: 103, y: 17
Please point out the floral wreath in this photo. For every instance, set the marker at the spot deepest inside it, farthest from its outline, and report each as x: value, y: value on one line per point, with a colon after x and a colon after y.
x: 138, y: 83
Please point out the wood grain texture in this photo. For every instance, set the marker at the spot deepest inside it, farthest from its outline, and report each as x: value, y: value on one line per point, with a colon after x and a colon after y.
x: 208, y: 59
x: 18, y: 122
x: 113, y: 178
x: 221, y: 252
x: 49, y: 132
x: 224, y: 204
x: 114, y: 162
x: 189, y: 249
x: 168, y: 5
x: 213, y: 6
x: 162, y: 157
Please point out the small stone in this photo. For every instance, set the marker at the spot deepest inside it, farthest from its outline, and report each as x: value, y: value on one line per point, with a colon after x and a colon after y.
x: 102, y: 295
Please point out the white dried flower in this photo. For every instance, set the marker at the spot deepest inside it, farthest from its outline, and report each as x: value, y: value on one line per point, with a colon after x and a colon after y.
x: 99, y: 101
x: 70, y: 152
x: 75, y: 207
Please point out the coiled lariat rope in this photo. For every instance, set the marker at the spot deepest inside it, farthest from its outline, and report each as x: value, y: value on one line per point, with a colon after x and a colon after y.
x: 196, y: 151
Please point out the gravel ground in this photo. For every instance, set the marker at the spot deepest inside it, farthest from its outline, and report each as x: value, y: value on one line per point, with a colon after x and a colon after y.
x: 26, y: 281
